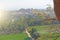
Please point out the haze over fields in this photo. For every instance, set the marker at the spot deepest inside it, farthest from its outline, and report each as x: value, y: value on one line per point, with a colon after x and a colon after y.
x: 18, y: 4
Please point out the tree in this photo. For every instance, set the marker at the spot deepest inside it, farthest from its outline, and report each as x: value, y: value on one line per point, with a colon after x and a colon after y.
x: 27, y: 38
x: 34, y: 34
x: 48, y: 11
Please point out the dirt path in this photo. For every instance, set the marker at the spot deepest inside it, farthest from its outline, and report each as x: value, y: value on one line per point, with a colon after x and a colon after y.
x: 28, y: 34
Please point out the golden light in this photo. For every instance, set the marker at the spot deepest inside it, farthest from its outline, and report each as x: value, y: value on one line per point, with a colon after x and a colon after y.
x: 1, y: 14
x: 2, y: 6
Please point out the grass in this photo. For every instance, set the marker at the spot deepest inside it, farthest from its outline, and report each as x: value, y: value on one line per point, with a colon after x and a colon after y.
x: 20, y: 36
x: 43, y: 32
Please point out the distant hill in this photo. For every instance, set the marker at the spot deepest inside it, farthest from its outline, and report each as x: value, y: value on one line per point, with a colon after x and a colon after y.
x: 25, y: 12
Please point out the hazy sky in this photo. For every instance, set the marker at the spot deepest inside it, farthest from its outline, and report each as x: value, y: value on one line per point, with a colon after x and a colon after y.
x: 17, y: 4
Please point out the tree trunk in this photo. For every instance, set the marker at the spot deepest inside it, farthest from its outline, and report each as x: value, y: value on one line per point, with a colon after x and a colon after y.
x: 57, y: 9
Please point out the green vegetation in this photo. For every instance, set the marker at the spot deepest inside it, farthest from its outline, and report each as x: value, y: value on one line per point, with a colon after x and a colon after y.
x: 20, y: 36
x: 36, y: 25
x: 42, y: 30
x: 46, y: 33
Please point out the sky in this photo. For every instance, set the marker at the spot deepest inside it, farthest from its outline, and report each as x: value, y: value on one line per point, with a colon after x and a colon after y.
x: 18, y: 4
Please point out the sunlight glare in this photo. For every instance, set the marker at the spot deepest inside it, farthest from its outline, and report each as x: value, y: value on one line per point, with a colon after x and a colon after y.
x: 1, y: 14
